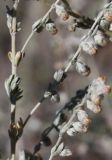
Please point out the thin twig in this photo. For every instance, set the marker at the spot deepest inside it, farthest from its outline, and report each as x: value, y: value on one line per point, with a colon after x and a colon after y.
x: 39, y: 103
x: 43, y: 19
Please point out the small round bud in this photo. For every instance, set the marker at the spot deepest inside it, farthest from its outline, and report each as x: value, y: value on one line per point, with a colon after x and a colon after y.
x: 107, y: 89
x: 99, y: 87
x: 108, y: 15
x: 72, y: 27
x: 79, y: 127
x: 51, y: 27
x: 83, y: 117
x: 100, y: 39
x: 89, y: 46
x: 96, y: 99
x: 61, y: 12
x: 93, y: 107
x: 104, y: 24
x: 82, y: 68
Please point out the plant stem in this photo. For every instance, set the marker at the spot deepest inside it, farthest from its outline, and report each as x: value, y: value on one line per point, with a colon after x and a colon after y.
x: 14, y: 72
x: 41, y: 101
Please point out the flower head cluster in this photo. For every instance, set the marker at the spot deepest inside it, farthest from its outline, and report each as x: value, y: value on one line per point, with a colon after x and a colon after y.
x: 99, y: 38
x: 62, y: 12
x: 96, y: 91
x: 106, y: 20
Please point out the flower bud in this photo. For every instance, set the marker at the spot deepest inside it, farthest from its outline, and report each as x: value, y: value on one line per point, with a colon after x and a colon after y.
x: 108, y: 15
x: 99, y: 87
x: 104, y: 24
x: 82, y: 68
x: 61, y: 12
x: 83, y: 117
x: 100, y: 39
x: 72, y: 27
x: 58, y: 75
x: 51, y: 27
x: 89, y: 46
x: 107, y: 89
x: 93, y: 107
x: 79, y: 127
x: 96, y: 99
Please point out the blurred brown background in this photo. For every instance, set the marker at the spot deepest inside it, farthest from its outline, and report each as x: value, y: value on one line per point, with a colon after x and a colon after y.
x: 44, y: 54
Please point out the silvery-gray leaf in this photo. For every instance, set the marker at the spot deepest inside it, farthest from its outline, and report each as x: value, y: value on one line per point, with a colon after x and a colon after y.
x: 60, y: 148
x: 8, y: 83
x: 57, y: 120
x: 37, y: 25
x: 47, y: 94
x: 66, y: 153
x: 58, y: 75
x: 71, y: 131
x: 55, y: 98
x: 9, y: 21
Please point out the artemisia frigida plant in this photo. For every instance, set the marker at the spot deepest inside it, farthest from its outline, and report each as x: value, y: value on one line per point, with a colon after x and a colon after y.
x: 76, y: 119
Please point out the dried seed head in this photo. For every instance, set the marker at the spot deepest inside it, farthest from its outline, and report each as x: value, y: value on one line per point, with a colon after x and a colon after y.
x: 79, y: 127
x: 100, y: 39
x: 89, y: 46
x: 58, y: 75
x: 96, y: 99
x: 72, y: 27
x: 107, y: 89
x: 108, y: 15
x: 51, y: 27
x: 99, y: 87
x: 61, y: 12
x: 93, y: 107
x: 87, y: 121
x: 82, y: 68
x: 83, y: 117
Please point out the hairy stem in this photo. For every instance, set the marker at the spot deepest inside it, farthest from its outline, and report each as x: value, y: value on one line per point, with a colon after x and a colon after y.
x: 39, y: 103
x: 14, y: 72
